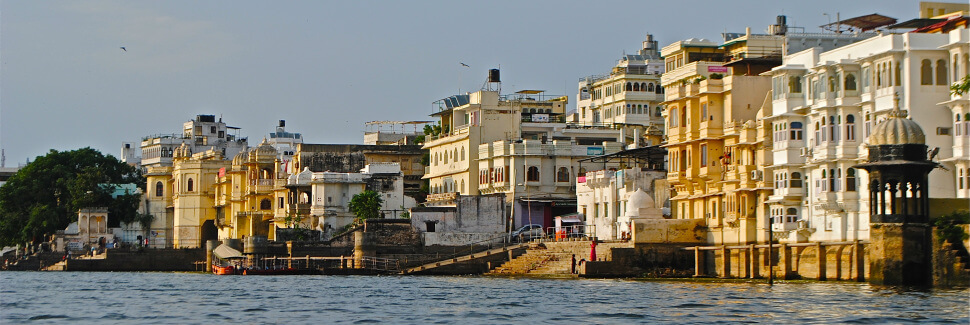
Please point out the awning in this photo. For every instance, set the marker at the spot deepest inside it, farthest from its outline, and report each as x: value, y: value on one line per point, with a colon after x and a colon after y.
x: 574, y: 217
x: 226, y: 252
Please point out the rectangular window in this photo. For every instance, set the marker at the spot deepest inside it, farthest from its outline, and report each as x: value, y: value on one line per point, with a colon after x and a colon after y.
x: 703, y: 155
x: 942, y: 131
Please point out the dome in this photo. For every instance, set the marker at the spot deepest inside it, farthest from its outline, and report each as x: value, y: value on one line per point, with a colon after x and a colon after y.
x: 638, y: 200
x: 263, y: 152
x: 240, y: 158
x: 897, y: 130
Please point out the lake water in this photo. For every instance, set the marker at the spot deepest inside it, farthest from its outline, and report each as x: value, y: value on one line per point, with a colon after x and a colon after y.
x: 194, y: 298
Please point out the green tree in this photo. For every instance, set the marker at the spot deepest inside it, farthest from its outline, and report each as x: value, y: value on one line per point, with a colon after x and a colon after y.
x: 45, y: 195
x: 366, y: 205
x: 961, y: 87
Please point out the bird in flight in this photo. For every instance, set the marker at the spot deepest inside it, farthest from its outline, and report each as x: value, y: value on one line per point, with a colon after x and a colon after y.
x: 464, y: 65
x: 123, y: 48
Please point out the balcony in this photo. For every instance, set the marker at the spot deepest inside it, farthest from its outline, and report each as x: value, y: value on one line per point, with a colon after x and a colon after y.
x: 442, y: 197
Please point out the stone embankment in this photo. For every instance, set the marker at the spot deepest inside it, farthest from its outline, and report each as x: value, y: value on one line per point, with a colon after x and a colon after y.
x: 556, y: 258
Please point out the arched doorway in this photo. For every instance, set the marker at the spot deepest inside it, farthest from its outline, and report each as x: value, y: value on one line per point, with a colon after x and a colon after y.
x: 209, y: 232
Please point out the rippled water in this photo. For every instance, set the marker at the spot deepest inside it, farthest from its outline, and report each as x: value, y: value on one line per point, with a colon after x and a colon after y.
x: 192, y: 298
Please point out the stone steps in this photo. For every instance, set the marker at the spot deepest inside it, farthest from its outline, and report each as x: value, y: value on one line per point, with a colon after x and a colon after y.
x: 554, y: 258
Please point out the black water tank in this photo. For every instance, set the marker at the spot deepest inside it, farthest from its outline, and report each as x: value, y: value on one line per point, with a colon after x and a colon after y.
x: 493, y: 75
x: 282, y: 123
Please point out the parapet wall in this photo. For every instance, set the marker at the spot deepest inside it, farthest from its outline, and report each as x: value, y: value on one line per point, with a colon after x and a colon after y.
x: 168, y: 259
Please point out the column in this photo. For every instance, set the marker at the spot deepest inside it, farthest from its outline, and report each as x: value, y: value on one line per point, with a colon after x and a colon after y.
x: 821, y: 256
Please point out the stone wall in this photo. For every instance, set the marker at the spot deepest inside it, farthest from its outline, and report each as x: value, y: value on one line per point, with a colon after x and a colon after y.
x: 146, y: 260
x: 799, y: 262
x: 473, y: 219
x: 949, y: 269
x: 664, y: 231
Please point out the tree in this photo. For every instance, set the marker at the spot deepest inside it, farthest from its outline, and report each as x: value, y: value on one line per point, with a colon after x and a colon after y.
x: 366, y: 205
x: 961, y: 87
x: 45, y: 195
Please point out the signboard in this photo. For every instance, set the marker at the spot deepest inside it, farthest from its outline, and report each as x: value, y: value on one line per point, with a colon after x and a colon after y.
x: 717, y: 69
x: 541, y: 118
x: 222, y: 172
x: 594, y: 151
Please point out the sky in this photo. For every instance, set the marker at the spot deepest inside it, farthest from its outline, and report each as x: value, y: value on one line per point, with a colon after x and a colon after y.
x: 326, y: 67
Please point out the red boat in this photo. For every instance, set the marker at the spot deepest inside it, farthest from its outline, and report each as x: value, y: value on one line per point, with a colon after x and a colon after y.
x: 223, y: 270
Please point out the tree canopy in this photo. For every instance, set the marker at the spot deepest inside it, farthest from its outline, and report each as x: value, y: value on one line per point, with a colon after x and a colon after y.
x: 45, y: 195
x: 366, y: 205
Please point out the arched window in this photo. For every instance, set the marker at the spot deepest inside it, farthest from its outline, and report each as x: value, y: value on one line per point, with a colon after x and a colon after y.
x: 956, y: 67
x: 796, y: 180
x: 159, y: 189
x: 926, y: 73
x: 189, y: 185
x: 265, y: 204
x: 960, y: 180
x: 832, y: 181
x: 956, y: 124
x: 941, y: 69
x: 898, y: 75
x: 462, y: 153
x: 632, y: 87
x: 659, y: 112
x: 629, y: 109
x: 659, y: 89
x: 825, y: 183
x: 533, y: 174
x: 850, y: 127
x: 673, y: 117
x: 795, y: 131
x: 850, y: 82
x: 818, y: 134
x: 562, y: 175
x: 463, y: 186
x: 833, y: 129
x: 650, y: 86
x: 643, y: 86
x: 850, y: 180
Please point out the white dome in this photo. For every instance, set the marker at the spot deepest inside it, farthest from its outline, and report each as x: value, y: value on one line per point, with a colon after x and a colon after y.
x: 638, y: 200
x: 897, y: 130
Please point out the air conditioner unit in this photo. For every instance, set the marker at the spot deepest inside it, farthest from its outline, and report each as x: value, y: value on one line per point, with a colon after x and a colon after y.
x: 756, y: 175
x: 805, y: 152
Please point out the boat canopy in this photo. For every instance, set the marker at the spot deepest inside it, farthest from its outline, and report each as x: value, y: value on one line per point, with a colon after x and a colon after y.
x: 225, y: 252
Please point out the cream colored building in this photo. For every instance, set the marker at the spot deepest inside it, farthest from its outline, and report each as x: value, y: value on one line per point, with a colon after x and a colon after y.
x: 519, y: 145
x: 628, y: 98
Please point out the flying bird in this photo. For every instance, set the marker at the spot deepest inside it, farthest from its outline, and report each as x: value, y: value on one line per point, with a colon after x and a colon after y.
x: 123, y: 48
x: 464, y: 65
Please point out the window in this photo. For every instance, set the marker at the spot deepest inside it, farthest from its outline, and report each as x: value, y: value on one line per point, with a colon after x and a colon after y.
x: 818, y: 139
x: 865, y: 78
x: 795, y: 85
x: 796, y: 131
x: 796, y: 180
x: 629, y: 87
x: 650, y: 86
x: 188, y: 185
x: 462, y: 153
x: 562, y: 175
x: 850, y: 180
x: 926, y: 73
x: 833, y: 129
x: 833, y: 180
x: 942, y: 131
x: 673, y: 117
x: 159, y: 189
x: 265, y: 204
x: 825, y: 182
x: 898, y: 74
x: 791, y: 215
x: 850, y: 82
x: 941, y: 69
x: 703, y: 155
x: 850, y: 127
x: 280, y: 203
x: 533, y: 174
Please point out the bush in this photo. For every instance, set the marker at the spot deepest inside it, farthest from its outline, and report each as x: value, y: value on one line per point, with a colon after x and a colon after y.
x: 948, y: 227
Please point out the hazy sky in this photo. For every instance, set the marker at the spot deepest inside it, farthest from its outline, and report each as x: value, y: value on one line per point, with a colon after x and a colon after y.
x: 325, y: 67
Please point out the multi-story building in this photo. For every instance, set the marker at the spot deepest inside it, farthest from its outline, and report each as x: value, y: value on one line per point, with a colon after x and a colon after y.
x: 203, y: 134
x: 825, y: 104
x: 628, y: 98
x: 351, y: 158
x: 519, y: 145
x: 603, y: 194
x: 193, y: 178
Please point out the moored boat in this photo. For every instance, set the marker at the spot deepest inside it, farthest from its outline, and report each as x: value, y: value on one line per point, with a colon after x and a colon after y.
x: 223, y: 270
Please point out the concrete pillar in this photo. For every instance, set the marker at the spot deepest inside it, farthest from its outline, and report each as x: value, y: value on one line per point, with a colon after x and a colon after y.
x: 820, y: 255
x: 364, y: 245
x: 784, y: 254
x: 860, y: 261
x: 753, y: 258
x: 698, y: 262
x: 209, y: 246
x: 725, y: 262
x: 838, y: 262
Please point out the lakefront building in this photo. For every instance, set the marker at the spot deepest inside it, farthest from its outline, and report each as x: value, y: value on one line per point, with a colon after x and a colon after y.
x: 519, y: 145
x: 826, y: 103
x: 628, y: 98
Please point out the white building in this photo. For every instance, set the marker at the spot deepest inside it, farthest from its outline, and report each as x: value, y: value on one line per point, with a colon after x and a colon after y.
x: 824, y: 106
x: 330, y: 194
x: 200, y: 134
x: 603, y: 196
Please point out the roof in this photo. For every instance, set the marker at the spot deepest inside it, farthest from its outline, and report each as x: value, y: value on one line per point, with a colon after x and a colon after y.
x: 225, y: 252
x: 943, y: 26
x: 867, y: 22
x: 530, y: 91
x: 397, y: 122
x: 916, y: 23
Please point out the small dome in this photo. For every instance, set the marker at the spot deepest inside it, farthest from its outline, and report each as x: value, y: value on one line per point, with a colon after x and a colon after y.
x: 263, y: 152
x: 240, y: 158
x: 638, y: 200
x: 897, y: 130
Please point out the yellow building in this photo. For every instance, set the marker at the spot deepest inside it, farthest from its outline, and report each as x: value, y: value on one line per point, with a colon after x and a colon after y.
x: 714, y: 94
x: 193, y: 202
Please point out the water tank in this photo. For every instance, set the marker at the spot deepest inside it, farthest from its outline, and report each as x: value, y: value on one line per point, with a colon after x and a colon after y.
x: 255, y: 245
x: 282, y: 123
x: 493, y: 75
